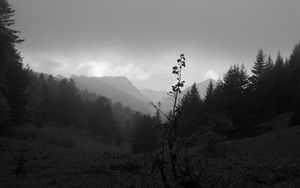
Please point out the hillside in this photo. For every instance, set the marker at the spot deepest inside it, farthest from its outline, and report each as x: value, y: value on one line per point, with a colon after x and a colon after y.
x: 154, y: 96
x: 118, y: 89
x: 60, y: 157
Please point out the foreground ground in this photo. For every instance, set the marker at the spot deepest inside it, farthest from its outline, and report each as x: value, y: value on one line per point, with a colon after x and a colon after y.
x: 55, y: 157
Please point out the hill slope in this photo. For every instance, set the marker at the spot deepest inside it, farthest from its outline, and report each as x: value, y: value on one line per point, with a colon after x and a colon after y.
x: 153, y: 95
x: 118, y: 89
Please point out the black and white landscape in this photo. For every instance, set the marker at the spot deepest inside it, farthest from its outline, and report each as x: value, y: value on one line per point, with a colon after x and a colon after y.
x: 160, y: 93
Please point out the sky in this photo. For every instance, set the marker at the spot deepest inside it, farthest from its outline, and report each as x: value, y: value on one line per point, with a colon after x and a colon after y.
x: 142, y: 39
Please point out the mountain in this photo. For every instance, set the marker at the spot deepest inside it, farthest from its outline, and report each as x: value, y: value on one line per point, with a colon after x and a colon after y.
x: 154, y: 96
x: 167, y: 103
x: 118, y: 89
x: 122, y: 83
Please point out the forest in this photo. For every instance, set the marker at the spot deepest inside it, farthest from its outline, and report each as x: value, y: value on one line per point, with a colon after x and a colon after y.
x: 240, y: 107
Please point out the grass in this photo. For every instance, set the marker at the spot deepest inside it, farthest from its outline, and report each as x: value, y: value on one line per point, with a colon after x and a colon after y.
x: 56, y: 157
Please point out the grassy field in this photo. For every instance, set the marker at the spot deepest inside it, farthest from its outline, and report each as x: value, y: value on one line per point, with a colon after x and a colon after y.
x: 53, y: 157
x: 57, y: 157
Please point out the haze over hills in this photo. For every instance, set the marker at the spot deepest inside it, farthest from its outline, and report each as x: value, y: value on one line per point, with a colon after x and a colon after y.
x: 124, y: 84
x: 118, y: 89
x: 154, y: 96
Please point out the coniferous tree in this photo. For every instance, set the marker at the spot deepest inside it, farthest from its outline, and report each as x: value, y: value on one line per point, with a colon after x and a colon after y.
x: 295, y: 120
x: 235, y: 95
x: 269, y: 64
x: 101, y: 121
x: 236, y: 81
x: 294, y: 65
x: 145, y: 137
x: 192, y: 114
x: 14, y: 79
x: 69, y: 103
x: 281, y: 96
x: 209, y: 97
x: 258, y: 68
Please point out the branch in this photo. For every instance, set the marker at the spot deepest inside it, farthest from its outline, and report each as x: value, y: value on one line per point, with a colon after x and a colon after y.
x: 160, y: 111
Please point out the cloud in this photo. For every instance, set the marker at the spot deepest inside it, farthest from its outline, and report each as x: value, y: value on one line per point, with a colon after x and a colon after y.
x: 142, y: 39
x: 131, y: 71
x: 211, y: 74
x: 86, y: 64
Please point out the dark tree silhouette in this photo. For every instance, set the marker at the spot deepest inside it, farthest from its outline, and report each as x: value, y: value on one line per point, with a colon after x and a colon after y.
x: 258, y: 68
x: 69, y: 103
x: 101, y: 120
x: 193, y: 111
x: 14, y: 79
x: 145, y: 138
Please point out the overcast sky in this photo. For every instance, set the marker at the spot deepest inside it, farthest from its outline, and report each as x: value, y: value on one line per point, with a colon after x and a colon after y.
x: 141, y: 39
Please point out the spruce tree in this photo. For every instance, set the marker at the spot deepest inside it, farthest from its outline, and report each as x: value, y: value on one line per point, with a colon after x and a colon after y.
x: 192, y: 115
x: 258, y: 68
x: 269, y: 64
x: 14, y: 79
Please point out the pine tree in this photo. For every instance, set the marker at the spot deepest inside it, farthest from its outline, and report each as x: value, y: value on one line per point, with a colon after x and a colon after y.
x: 295, y: 120
x: 192, y: 115
x: 235, y: 101
x: 236, y: 80
x: 69, y: 103
x: 258, y: 68
x: 14, y: 79
x: 209, y: 97
x: 209, y: 90
x: 279, y: 61
x: 269, y: 64
x: 101, y: 121
x: 144, y: 138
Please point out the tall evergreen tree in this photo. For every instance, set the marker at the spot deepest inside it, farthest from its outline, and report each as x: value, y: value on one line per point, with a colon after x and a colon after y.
x: 279, y: 63
x: 192, y: 114
x: 295, y: 120
x: 208, y: 100
x: 269, y: 64
x: 14, y: 79
x: 209, y: 90
x: 145, y: 137
x: 294, y: 65
x: 258, y: 68
x: 101, y: 121
x: 69, y: 103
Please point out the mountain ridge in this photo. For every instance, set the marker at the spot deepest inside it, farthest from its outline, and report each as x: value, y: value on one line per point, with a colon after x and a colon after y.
x: 108, y: 87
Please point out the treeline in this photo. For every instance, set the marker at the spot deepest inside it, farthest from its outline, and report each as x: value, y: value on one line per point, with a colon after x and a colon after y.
x: 51, y: 100
x: 240, y: 101
x: 14, y: 77
x: 60, y: 102
x: 31, y: 98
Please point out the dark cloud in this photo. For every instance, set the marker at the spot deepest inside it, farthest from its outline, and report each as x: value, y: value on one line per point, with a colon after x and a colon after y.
x: 144, y: 34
